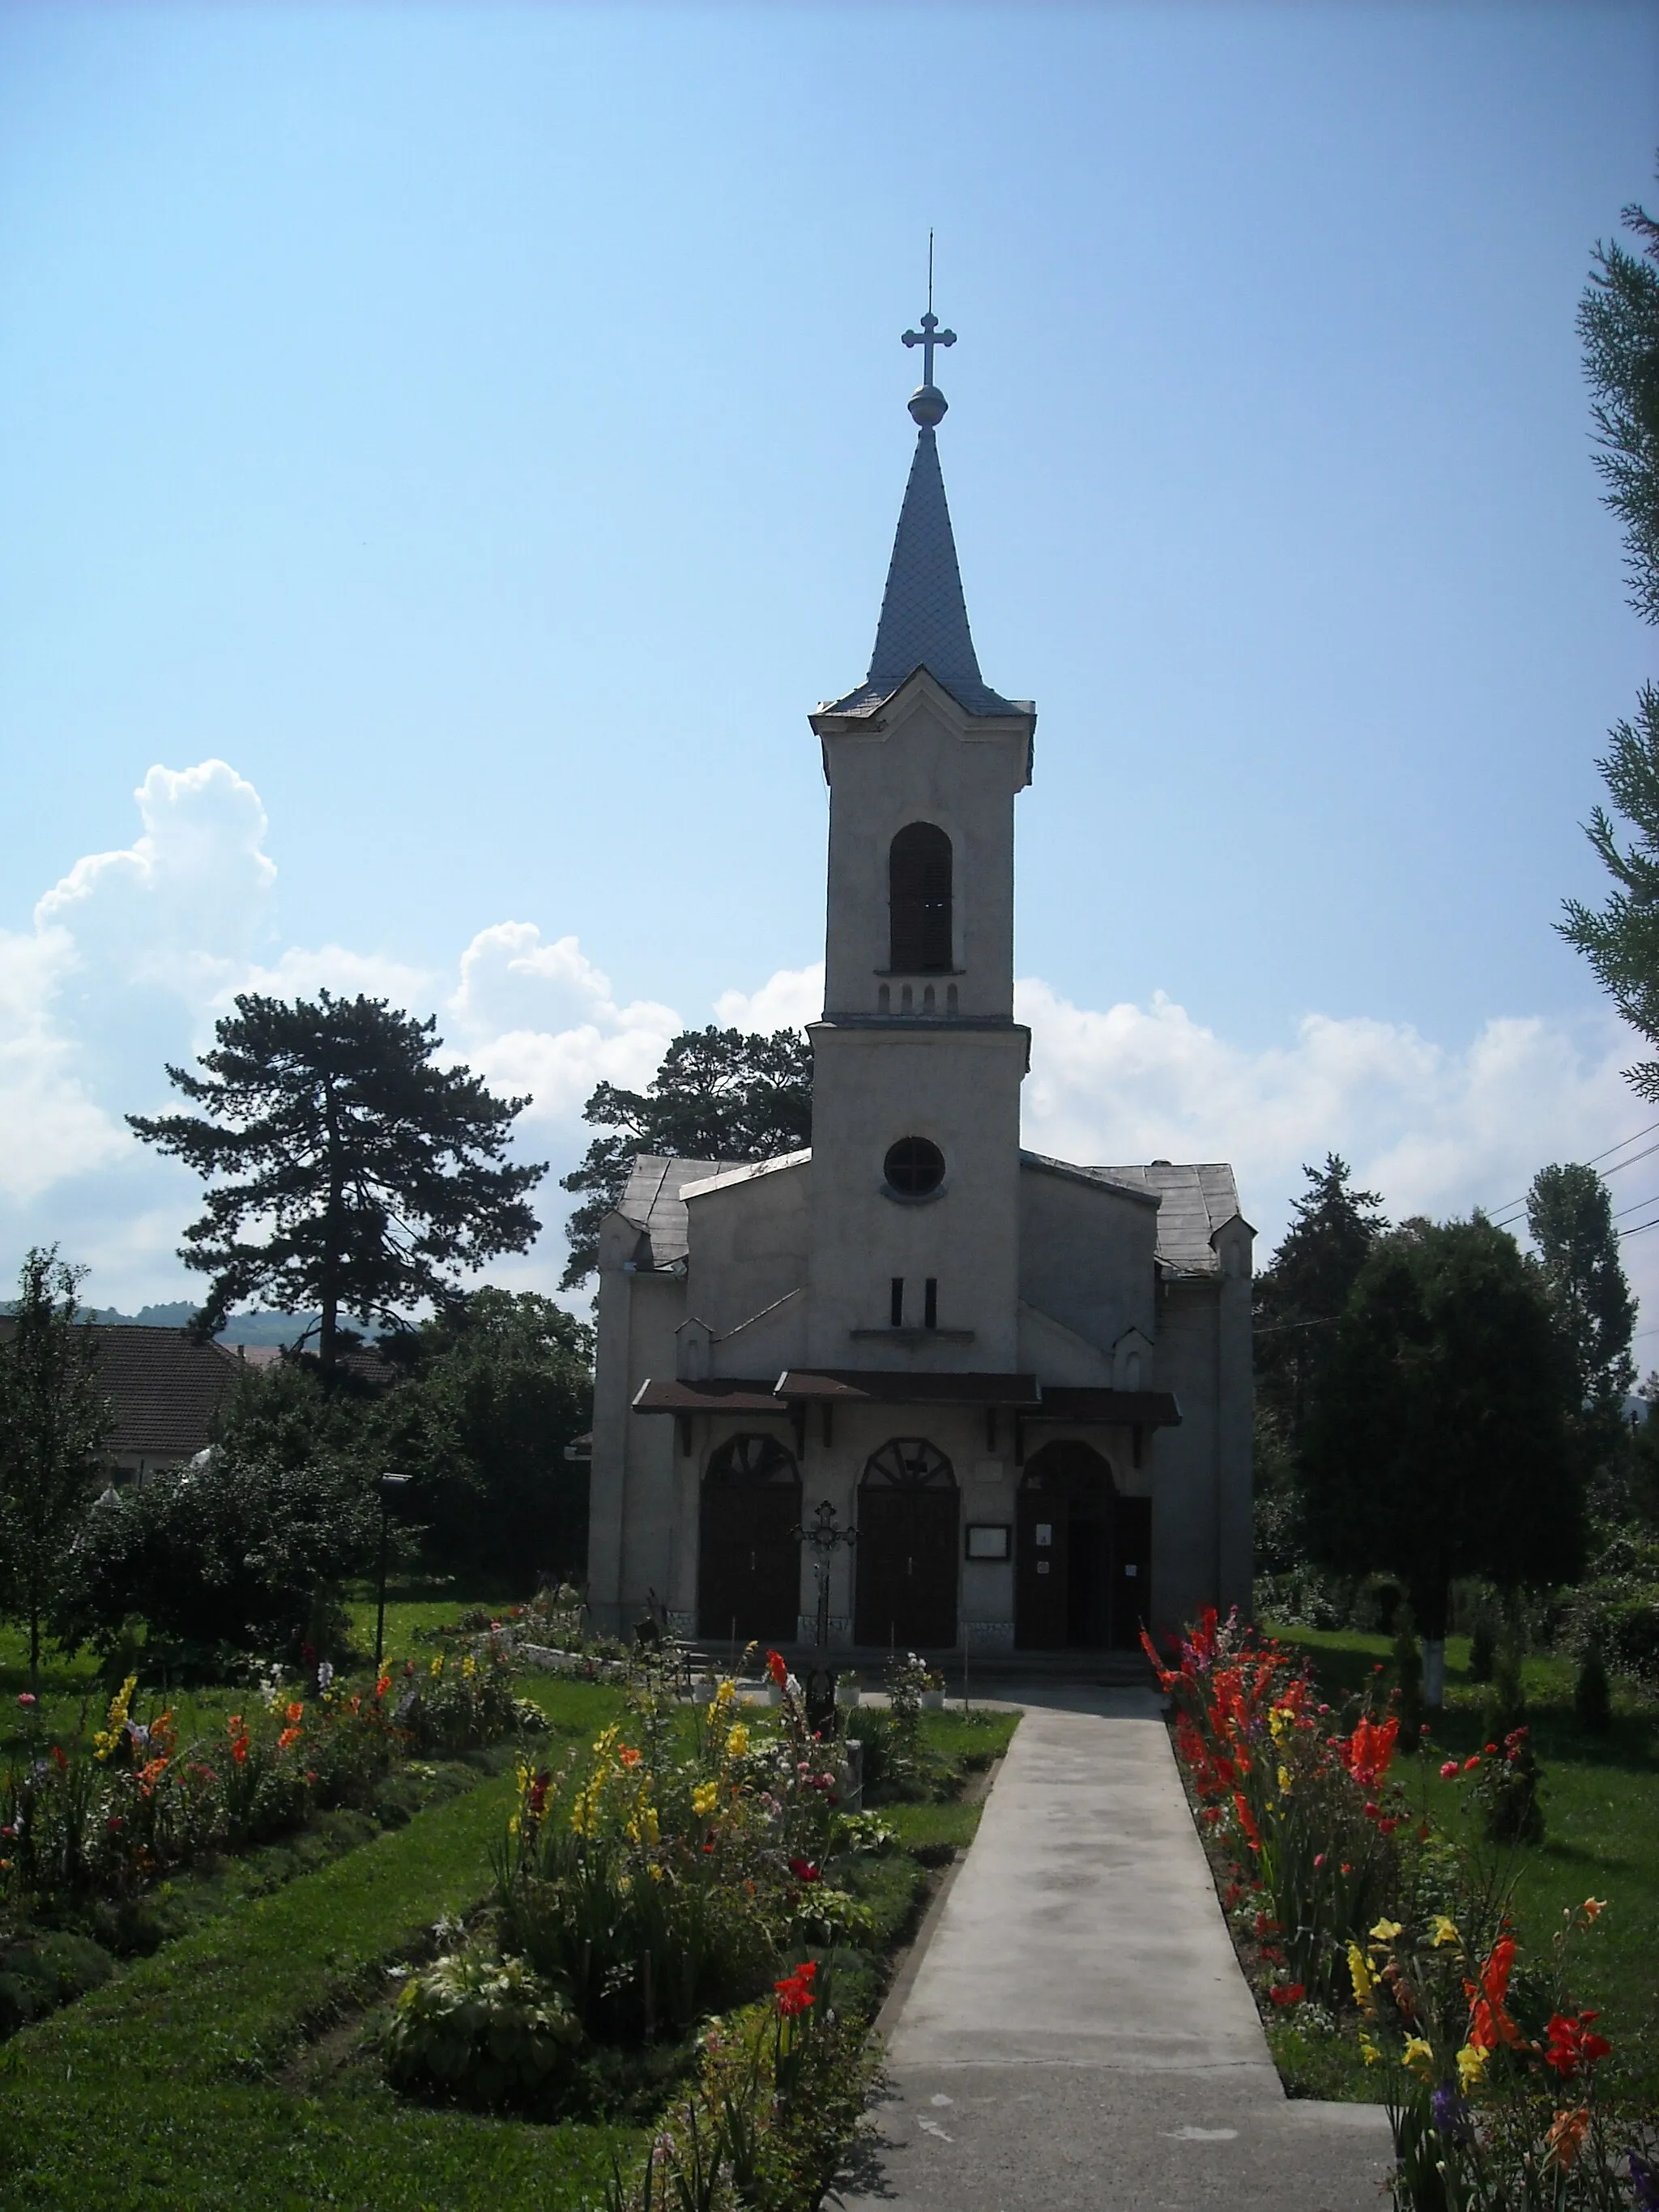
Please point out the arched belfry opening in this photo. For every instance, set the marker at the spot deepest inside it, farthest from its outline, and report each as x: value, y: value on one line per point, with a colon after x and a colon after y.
x: 749, y: 1543
x: 1082, y: 1555
x: 918, y: 892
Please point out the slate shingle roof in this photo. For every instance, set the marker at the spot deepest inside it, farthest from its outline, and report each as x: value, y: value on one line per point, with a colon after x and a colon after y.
x: 924, y: 616
x: 653, y: 1203
x: 1192, y: 1202
x: 164, y: 1386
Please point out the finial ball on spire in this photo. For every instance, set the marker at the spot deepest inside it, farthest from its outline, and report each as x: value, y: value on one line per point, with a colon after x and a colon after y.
x: 927, y: 405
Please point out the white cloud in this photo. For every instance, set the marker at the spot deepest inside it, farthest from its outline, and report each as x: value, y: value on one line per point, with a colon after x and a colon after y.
x: 52, y: 1127
x: 183, y: 904
x: 787, y: 1000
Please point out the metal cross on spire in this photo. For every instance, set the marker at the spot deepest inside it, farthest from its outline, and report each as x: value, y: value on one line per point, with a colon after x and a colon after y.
x: 928, y: 404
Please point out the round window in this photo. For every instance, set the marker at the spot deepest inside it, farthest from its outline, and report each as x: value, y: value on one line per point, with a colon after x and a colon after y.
x: 914, y: 1167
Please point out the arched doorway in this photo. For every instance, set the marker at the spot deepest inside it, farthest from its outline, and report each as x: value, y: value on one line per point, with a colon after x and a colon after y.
x: 1082, y: 1556
x: 748, y: 1553
x: 907, y: 1548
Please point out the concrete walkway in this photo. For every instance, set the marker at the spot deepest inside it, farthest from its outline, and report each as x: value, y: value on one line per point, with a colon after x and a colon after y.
x: 1076, y: 2032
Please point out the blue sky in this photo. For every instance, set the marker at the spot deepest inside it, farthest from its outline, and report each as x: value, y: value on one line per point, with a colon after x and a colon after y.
x: 481, y: 430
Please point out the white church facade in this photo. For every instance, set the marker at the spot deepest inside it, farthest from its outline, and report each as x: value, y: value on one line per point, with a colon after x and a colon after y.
x: 1024, y: 1384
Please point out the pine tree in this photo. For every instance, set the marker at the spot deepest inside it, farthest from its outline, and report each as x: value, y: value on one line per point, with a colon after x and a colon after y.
x: 1619, y: 324
x: 717, y: 1095
x: 1300, y: 1294
x: 368, y: 1175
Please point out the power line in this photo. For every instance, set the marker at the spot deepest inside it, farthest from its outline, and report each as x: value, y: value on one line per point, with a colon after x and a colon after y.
x: 1510, y: 1204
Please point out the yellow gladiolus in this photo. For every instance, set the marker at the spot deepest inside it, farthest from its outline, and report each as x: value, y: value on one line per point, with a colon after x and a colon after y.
x: 704, y: 1798
x: 1445, y: 1930
x: 1368, y: 2051
x: 1385, y: 1931
x: 1471, y: 2066
x: 1419, y: 2056
x: 737, y: 1744
x: 1360, y: 1974
x: 1284, y: 1779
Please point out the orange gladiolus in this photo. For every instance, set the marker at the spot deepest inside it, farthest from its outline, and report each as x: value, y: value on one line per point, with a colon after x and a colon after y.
x: 1566, y: 2137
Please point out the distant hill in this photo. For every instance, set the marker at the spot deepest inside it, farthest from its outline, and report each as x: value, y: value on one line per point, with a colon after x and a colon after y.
x: 240, y: 1328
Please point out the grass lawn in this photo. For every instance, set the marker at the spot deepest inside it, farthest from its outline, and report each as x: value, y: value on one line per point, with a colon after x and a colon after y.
x: 1602, y: 1808
x: 183, y: 2080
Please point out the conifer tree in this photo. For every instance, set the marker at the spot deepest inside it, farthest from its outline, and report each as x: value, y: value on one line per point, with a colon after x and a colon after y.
x: 1619, y: 324
x: 347, y: 1173
x: 1305, y: 1286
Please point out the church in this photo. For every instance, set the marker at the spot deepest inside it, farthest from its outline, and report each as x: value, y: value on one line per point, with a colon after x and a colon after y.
x: 1017, y: 1390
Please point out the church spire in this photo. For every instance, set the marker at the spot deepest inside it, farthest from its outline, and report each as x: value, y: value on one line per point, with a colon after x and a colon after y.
x: 924, y: 616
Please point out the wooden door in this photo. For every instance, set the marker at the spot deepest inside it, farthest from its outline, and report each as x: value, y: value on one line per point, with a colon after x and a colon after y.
x: 906, y: 1557
x: 1132, y: 1570
x: 748, y: 1551
x: 1041, y: 1578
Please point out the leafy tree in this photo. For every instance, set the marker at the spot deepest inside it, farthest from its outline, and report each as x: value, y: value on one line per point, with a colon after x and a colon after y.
x: 53, y: 1422
x: 373, y: 1175
x: 1570, y: 1215
x: 1619, y: 324
x: 718, y: 1095
x: 482, y: 1400
x: 1305, y: 1286
x: 1436, y: 1444
x: 503, y: 1383
x: 231, y: 1556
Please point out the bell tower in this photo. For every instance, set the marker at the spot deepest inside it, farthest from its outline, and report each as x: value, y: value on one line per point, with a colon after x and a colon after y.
x: 918, y: 1059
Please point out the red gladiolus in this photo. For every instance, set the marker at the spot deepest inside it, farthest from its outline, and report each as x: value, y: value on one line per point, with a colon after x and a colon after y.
x: 1449, y: 1769
x: 1489, y: 2024
x: 629, y: 1756
x: 383, y: 1686
x: 1246, y: 1820
x: 1388, y: 1828
x: 1570, y: 2045
x: 1469, y: 1765
x: 1288, y: 1993
x: 804, y: 1870
x: 775, y: 1667
x: 795, y: 1991
x: 59, y: 1759
x: 239, y: 1751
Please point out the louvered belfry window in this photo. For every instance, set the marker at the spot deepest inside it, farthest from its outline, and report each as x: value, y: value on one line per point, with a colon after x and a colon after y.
x: 918, y: 900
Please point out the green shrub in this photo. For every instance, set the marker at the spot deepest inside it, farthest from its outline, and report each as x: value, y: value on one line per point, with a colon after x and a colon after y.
x: 1504, y: 1707
x: 1592, y: 1707
x: 1408, y: 1673
x: 482, y: 2029
x: 1505, y: 1792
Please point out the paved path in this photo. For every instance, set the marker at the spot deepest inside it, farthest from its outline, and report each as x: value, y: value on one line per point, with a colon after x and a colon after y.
x: 1077, y: 2036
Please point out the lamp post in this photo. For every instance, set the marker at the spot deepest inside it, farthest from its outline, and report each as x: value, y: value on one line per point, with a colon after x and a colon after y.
x: 823, y: 1536
x: 391, y: 1485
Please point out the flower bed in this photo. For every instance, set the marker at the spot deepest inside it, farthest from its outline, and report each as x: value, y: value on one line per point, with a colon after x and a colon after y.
x: 688, y: 1896
x: 89, y: 1828
x: 1357, y: 1907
